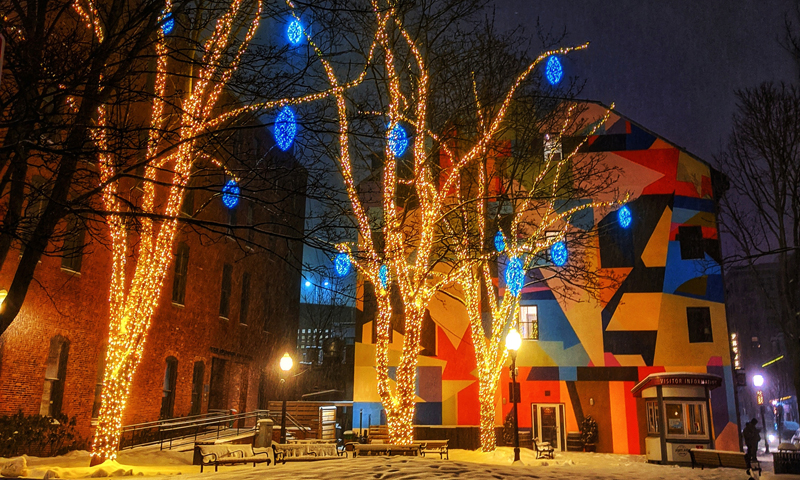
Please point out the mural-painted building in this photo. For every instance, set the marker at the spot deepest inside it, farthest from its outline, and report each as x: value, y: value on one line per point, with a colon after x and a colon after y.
x: 665, y: 314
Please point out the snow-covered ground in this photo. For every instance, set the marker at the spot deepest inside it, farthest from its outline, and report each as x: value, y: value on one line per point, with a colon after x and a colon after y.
x: 462, y: 464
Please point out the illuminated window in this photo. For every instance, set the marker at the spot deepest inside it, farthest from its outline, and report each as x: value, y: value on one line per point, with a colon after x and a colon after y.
x: 529, y: 322
x: 225, y: 291
x: 695, y: 419
x: 699, y: 319
x: 691, y: 239
x: 674, y: 414
x: 181, y: 270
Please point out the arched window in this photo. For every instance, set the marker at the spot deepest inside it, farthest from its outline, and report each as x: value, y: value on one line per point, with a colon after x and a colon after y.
x: 170, y: 379
x: 54, y: 377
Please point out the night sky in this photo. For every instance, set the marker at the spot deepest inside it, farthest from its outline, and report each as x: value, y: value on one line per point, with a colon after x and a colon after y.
x: 672, y: 66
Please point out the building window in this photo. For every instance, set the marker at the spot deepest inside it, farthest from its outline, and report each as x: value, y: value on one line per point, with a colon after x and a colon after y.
x: 187, y: 206
x: 98, y: 385
x: 653, y: 418
x: 181, y: 270
x: 699, y: 319
x: 170, y: 380
x: 225, y: 294
x: 244, y: 306
x: 529, y: 322
x: 54, y: 377
x: 691, y: 239
x: 72, y: 250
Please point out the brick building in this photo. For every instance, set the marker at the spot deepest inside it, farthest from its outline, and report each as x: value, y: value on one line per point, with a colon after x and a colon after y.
x: 228, y: 308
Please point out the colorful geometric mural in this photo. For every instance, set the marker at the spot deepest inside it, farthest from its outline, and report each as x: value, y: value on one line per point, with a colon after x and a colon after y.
x: 666, y: 312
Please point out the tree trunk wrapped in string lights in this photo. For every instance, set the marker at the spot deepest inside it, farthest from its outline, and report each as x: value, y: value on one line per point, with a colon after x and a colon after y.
x: 172, y: 149
x: 536, y: 226
x: 400, y: 257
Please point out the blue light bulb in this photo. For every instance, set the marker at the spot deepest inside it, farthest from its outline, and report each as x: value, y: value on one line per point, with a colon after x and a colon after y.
x: 514, y: 276
x: 169, y: 23
x: 558, y: 254
x: 553, y: 71
x: 285, y: 128
x: 624, y: 217
x: 499, y: 241
x: 342, y: 264
x: 383, y: 275
x: 294, y: 32
x: 398, y: 140
x: 230, y: 194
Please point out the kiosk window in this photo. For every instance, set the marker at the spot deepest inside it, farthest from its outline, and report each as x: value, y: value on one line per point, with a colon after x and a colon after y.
x: 696, y: 418
x: 653, y: 418
x: 674, y: 413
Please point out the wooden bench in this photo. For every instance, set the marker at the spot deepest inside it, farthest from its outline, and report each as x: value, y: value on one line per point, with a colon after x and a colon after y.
x: 720, y: 458
x: 230, y: 455
x: 372, y: 449
x: 543, y: 449
x: 434, y: 446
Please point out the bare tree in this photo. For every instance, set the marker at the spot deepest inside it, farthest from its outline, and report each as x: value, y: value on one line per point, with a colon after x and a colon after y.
x: 761, y: 212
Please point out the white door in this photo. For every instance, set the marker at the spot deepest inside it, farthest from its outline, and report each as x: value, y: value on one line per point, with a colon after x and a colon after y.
x: 548, y: 425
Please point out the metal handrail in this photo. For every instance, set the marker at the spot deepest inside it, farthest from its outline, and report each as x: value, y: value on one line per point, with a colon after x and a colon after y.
x: 166, y: 430
x: 276, y: 417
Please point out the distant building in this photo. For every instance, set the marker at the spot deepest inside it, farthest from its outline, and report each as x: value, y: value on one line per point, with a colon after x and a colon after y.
x: 227, y: 311
x: 759, y: 344
x: 583, y: 355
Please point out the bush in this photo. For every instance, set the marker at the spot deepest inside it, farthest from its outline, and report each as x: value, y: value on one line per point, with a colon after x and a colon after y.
x: 37, y: 435
x: 588, y: 430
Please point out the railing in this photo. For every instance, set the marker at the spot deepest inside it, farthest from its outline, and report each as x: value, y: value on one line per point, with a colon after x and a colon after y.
x: 170, y: 432
x: 276, y: 418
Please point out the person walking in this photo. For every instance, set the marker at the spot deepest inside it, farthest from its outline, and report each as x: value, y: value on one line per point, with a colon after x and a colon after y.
x: 751, y: 436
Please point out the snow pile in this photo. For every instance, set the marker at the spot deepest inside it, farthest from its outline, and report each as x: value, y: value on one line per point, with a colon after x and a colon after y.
x: 15, y: 468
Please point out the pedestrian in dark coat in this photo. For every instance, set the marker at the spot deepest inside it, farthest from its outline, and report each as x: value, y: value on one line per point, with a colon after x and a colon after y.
x: 751, y: 436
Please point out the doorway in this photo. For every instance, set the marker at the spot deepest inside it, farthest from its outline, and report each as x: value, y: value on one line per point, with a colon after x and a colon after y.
x: 548, y: 424
x: 197, y: 387
x: 216, y: 388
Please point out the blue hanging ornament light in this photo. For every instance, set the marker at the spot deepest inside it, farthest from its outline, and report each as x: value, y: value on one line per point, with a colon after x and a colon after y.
x: 383, y: 275
x: 499, y: 241
x: 624, y: 216
x: 558, y: 254
x: 342, y: 264
x: 398, y: 140
x: 168, y: 23
x: 294, y: 32
x: 285, y: 128
x: 230, y: 194
x: 553, y: 70
x: 515, y: 276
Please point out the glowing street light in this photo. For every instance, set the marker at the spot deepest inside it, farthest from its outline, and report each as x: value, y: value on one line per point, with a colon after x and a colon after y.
x: 513, y: 342
x: 286, y: 365
x: 758, y: 380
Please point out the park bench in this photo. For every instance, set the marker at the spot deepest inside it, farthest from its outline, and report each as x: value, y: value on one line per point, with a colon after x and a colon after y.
x: 786, y: 460
x: 703, y: 457
x: 230, y: 455
x: 434, y: 446
x: 372, y: 449
x: 543, y: 449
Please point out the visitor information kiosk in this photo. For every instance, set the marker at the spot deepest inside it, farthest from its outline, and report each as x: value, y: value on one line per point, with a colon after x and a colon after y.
x: 678, y: 414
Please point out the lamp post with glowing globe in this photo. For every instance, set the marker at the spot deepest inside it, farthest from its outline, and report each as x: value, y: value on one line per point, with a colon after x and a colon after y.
x: 513, y: 342
x: 758, y: 382
x: 286, y: 365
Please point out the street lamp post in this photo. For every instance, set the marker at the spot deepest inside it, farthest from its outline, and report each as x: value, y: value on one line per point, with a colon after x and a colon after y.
x: 286, y: 365
x: 758, y: 382
x: 513, y: 342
